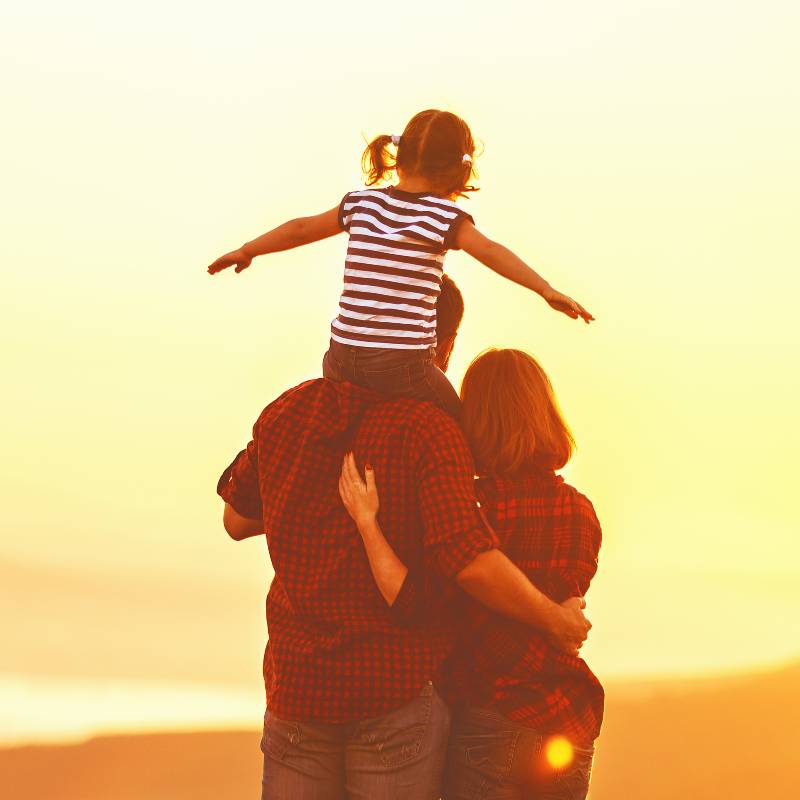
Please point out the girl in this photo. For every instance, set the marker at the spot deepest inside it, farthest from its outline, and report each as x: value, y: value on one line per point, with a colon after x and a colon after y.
x: 526, y: 714
x: 385, y: 332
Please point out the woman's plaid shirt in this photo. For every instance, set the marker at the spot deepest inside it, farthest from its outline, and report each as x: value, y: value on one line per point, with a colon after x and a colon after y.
x: 336, y: 652
x: 550, y: 531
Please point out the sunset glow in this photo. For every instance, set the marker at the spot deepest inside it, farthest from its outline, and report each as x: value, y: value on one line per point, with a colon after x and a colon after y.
x: 642, y: 157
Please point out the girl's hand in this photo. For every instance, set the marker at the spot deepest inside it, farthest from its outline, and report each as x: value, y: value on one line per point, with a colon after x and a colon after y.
x: 238, y: 257
x: 566, y: 305
x: 360, y: 498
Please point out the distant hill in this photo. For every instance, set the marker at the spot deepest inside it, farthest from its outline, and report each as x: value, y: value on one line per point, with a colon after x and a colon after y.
x: 181, y: 766
x: 732, y: 738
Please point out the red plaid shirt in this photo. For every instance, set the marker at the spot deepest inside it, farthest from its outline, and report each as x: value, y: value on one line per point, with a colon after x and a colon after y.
x: 336, y: 651
x: 550, y: 531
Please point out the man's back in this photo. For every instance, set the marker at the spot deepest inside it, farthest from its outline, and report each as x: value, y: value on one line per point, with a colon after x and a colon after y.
x: 336, y: 652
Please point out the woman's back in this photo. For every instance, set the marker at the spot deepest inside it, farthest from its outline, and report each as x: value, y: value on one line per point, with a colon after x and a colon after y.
x: 550, y: 531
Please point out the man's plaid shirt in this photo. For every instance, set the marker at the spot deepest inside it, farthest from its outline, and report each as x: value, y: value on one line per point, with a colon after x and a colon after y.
x: 550, y: 531
x: 336, y: 652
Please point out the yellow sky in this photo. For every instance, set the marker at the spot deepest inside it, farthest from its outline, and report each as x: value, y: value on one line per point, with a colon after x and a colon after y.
x: 642, y: 156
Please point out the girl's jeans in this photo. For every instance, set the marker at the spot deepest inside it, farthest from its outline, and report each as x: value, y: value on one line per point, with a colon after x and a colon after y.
x: 398, y: 373
x: 492, y: 758
x: 398, y: 756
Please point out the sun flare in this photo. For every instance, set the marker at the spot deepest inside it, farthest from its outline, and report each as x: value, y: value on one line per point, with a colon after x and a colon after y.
x: 558, y: 752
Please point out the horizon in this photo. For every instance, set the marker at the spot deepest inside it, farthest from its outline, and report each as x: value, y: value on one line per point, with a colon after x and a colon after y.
x: 145, y: 708
x: 643, y: 160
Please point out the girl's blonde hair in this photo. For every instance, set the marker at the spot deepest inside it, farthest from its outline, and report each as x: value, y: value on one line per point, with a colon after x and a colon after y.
x: 433, y: 146
x: 511, y: 416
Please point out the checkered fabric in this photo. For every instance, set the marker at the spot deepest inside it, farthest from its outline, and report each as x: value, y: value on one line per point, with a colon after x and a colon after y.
x: 550, y: 531
x: 336, y: 651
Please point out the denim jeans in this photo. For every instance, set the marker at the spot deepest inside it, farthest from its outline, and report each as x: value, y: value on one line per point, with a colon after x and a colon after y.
x: 492, y: 758
x: 396, y: 756
x: 398, y: 373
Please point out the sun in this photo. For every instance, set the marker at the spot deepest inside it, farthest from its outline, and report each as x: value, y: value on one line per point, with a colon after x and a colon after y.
x: 558, y: 752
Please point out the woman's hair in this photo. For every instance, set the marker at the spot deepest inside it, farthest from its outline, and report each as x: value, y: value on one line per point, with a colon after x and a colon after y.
x: 511, y: 416
x: 433, y: 146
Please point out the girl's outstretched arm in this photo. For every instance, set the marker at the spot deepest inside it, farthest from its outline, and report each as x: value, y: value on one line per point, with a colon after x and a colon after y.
x: 511, y: 266
x: 294, y: 233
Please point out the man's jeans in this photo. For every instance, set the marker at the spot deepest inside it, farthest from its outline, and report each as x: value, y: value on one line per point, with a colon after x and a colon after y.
x: 492, y: 758
x: 399, y: 755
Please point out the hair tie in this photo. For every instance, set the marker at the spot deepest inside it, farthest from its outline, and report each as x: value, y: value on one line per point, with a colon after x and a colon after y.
x: 466, y: 158
x: 395, y: 140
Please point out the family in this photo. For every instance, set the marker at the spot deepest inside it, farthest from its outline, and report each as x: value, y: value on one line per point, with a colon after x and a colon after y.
x: 424, y: 624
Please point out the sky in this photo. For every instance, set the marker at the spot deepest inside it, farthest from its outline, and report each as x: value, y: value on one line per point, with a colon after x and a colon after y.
x: 641, y: 156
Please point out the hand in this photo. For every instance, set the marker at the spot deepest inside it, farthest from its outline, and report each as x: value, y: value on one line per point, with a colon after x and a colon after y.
x: 566, y: 305
x: 238, y: 257
x: 571, y: 627
x: 360, y: 497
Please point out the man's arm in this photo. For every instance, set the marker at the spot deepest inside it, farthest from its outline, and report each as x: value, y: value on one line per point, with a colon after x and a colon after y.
x: 238, y: 487
x: 488, y: 575
x: 493, y: 580
x: 239, y: 527
x: 460, y: 544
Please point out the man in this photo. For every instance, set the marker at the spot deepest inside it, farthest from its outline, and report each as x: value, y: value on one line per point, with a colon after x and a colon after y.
x: 353, y: 709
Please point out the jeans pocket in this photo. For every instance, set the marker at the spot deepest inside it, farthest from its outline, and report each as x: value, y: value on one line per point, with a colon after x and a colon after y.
x: 491, y: 757
x: 397, y: 736
x: 279, y: 737
x: 485, y: 744
x: 573, y: 781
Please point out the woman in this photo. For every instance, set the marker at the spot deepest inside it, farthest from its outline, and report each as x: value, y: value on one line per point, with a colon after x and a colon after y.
x: 525, y: 714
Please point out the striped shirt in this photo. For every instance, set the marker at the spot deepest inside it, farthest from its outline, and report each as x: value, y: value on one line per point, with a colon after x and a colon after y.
x: 393, y: 269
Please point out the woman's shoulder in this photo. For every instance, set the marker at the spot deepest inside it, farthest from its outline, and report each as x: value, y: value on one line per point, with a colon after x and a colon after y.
x: 584, y: 505
x: 543, y: 485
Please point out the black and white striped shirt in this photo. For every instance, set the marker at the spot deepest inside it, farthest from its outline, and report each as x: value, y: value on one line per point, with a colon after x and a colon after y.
x: 393, y: 269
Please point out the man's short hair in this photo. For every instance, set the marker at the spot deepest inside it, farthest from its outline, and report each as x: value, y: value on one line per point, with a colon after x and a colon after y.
x: 449, y: 309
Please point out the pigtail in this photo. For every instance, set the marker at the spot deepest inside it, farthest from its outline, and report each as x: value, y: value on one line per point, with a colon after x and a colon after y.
x: 436, y: 145
x: 376, y: 161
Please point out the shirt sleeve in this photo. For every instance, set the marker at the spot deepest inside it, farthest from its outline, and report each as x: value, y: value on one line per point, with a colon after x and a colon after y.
x: 574, y: 562
x: 238, y: 484
x: 420, y: 598
x: 410, y: 603
x: 345, y: 214
x: 452, y: 231
x: 454, y: 533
